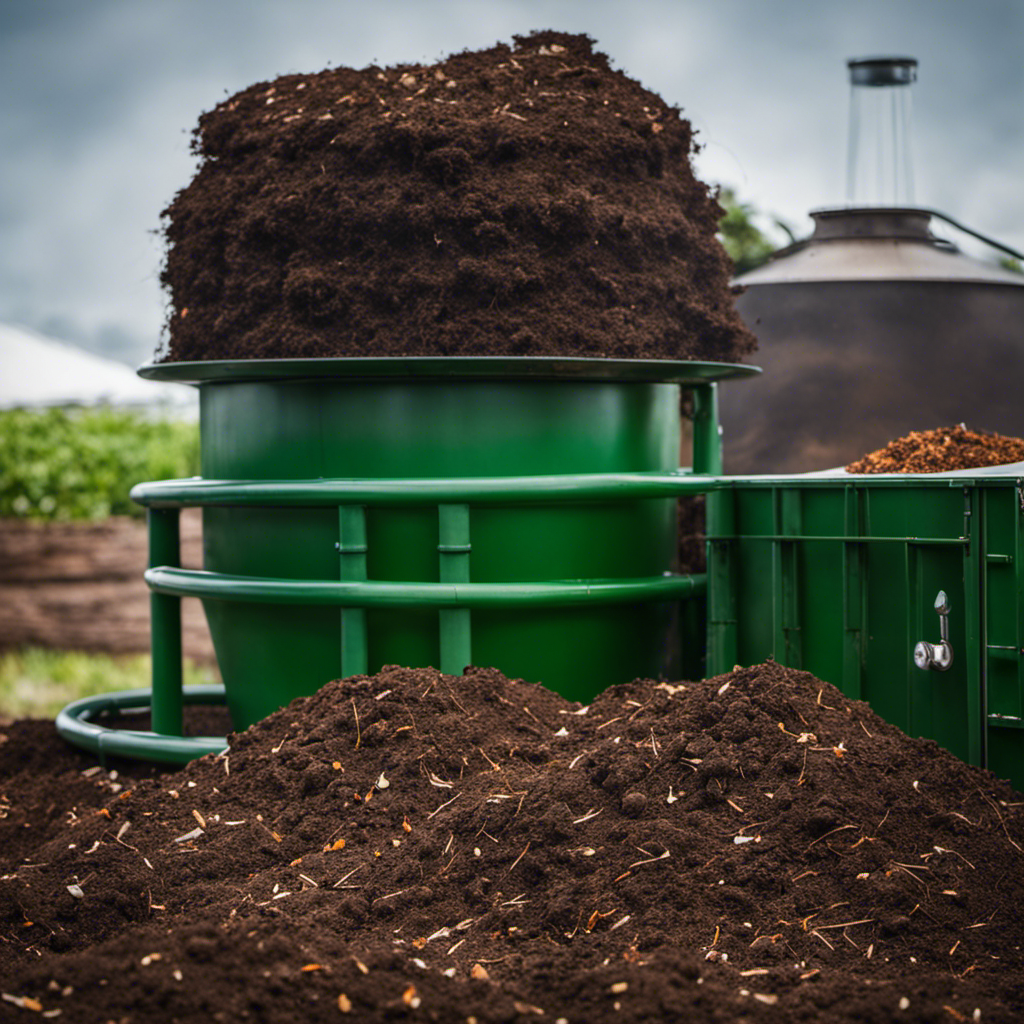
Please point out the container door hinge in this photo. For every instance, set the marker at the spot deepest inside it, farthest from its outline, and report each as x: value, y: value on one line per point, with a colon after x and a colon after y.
x: 937, y: 656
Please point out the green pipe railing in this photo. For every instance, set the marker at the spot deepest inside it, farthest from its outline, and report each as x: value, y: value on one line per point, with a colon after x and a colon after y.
x: 75, y: 723
x: 167, y: 494
x: 454, y: 597
x: 380, y: 594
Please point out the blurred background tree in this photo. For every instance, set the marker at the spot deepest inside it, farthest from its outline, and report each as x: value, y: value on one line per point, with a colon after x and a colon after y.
x: 748, y: 244
x: 80, y: 463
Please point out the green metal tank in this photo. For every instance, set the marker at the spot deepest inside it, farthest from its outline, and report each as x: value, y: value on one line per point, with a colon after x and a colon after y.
x: 517, y: 513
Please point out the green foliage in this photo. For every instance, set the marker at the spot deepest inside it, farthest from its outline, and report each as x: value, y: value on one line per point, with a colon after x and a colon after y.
x: 747, y: 245
x: 81, y: 463
x: 37, y: 683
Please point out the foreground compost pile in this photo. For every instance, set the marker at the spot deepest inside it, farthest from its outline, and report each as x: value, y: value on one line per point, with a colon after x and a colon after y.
x: 940, y: 451
x: 413, y: 846
x: 523, y: 200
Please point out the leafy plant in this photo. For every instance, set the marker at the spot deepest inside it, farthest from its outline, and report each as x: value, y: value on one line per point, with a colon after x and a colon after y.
x: 747, y: 244
x: 69, y: 463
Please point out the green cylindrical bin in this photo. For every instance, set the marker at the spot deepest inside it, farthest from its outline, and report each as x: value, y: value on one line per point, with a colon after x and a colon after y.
x: 502, y: 512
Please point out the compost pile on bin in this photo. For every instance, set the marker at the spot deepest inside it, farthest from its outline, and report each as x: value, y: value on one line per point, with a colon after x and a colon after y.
x: 940, y: 451
x: 414, y: 846
x: 522, y: 200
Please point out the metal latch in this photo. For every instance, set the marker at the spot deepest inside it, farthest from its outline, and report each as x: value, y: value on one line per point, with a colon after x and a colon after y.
x: 938, y: 656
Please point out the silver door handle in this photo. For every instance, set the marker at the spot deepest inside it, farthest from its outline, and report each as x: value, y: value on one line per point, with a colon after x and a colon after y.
x: 937, y: 656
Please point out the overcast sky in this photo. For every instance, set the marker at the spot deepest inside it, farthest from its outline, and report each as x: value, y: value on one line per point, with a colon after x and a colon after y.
x: 99, y: 98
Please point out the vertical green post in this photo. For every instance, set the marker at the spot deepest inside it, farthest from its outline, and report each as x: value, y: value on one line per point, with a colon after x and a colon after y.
x: 1017, y: 497
x: 707, y: 438
x: 974, y: 631
x: 915, y: 627
x: 853, y: 594
x: 722, y: 640
x: 719, y: 513
x: 165, y: 625
x: 787, y: 641
x: 352, y: 550
x: 453, y: 557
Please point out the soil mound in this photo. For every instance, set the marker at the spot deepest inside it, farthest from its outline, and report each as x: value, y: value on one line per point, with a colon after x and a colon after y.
x: 426, y: 847
x: 521, y: 200
x: 940, y: 451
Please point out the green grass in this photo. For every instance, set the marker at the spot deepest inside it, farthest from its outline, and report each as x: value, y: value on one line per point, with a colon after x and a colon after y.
x: 37, y: 683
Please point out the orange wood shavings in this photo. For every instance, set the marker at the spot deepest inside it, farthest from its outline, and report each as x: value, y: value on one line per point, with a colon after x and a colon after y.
x: 595, y: 917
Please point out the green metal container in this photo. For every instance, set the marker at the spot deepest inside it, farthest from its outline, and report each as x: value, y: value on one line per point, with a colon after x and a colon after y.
x: 839, y: 575
x: 519, y: 513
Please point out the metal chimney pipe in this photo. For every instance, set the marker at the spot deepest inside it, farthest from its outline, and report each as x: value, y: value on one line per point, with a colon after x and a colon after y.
x: 879, y: 169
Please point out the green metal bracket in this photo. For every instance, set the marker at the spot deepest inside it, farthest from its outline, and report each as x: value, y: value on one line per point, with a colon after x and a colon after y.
x: 707, y: 435
x: 352, y: 548
x: 453, y: 556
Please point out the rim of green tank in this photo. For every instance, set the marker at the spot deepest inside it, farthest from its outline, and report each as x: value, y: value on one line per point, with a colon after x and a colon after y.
x: 666, y: 371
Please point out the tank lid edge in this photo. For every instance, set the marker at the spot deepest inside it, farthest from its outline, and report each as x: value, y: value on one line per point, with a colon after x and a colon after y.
x: 407, y: 368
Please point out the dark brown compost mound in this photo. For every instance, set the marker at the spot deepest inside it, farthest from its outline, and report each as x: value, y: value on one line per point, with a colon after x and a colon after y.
x: 941, y: 450
x: 524, y: 200
x: 413, y: 846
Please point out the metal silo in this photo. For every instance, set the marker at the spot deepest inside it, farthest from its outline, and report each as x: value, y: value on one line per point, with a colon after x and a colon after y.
x: 874, y: 326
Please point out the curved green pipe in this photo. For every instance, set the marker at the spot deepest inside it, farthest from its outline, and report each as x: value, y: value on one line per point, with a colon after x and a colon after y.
x: 371, y: 594
x: 75, y: 724
x: 503, y: 490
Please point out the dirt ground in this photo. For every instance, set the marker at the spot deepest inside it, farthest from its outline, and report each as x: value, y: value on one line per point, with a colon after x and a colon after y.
x: 79, y: 586
x: 412, y: 846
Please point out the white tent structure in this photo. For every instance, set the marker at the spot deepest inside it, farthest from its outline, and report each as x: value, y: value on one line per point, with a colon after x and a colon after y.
x: 38, y: 371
